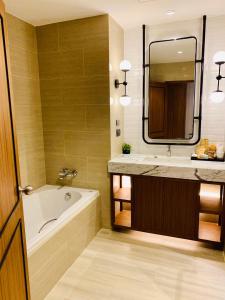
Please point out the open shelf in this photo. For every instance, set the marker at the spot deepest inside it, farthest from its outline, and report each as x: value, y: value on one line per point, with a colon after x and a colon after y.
x: 210, y: 212
x: 209, y: 231
x: 210, y: 199
x: 121, y: 201
x: 210, y: 208
x: 123, y: 193
x: 123, y: 219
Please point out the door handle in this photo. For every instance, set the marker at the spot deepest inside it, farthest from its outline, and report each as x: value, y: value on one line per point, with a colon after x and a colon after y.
x: 27, y: 190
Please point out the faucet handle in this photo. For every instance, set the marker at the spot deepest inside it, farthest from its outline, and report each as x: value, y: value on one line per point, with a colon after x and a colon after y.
x: 62, y: 173
x: 75, y: 172
x: 72, y: 173
x: 66, y: 172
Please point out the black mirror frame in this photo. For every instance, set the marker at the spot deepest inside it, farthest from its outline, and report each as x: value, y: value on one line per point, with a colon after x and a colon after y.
x: 196, y: 118
x: 195, y: 58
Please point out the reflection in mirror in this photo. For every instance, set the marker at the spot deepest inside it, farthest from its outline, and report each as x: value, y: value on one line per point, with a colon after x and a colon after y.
x: 172, y: 89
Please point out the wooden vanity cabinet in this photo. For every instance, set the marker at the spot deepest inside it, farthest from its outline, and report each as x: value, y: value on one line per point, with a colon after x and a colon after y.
x: 166, y: 206
x: 182, y: 208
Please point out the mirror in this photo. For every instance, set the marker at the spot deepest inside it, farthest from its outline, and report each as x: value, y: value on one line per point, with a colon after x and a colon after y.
x: 172, y: 89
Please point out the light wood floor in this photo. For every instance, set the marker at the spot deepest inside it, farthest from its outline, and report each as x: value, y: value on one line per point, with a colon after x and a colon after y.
x: 138, y: 266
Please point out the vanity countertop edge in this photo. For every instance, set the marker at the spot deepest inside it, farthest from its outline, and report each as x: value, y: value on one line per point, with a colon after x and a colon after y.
x: 170, y: 167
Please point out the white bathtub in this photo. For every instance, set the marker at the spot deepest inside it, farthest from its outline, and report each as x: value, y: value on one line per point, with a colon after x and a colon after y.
x: 59, y: 223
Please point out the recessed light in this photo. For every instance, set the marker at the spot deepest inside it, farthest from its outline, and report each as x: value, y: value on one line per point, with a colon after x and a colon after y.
x: 180, y: 52
x: 170, y: 12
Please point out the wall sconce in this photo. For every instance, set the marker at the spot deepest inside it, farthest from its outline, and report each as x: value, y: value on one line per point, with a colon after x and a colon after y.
x: 125, y: 66
x: 218, y: 96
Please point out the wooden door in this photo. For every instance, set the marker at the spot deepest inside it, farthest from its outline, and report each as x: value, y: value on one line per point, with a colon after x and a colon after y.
x: 176, y: 112
x: 13, y: 261
x: 166, y: 206
x: 157, y: 110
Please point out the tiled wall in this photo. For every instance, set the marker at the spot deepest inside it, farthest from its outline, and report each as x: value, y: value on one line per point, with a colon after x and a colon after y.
x: 172, y: 71
x: 213, y: 126
x: 27, y: 101
x: 76, y: 85
x: 116, y: 51
x: 74, y: 77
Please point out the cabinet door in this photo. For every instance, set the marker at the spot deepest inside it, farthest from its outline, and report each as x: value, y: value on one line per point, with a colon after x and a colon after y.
x: 180, y: 208
x: 166, y: 206
x: 147, y: 197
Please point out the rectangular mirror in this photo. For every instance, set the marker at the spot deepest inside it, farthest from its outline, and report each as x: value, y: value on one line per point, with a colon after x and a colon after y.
x: 172, y: 89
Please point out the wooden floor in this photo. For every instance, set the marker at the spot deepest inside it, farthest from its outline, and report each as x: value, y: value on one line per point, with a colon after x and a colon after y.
x: 138, y: 266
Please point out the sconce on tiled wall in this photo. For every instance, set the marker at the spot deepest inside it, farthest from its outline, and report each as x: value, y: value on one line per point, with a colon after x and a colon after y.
x: 218, y: 95
x: 125, y: 66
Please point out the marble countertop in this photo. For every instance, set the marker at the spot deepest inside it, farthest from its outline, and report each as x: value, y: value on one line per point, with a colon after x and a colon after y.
x: 163, y: 166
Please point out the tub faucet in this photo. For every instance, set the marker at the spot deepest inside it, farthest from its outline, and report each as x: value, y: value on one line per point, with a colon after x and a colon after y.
x: 67, y: 173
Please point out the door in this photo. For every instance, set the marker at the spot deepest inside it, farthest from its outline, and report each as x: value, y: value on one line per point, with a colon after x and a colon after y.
x: 166, y: 206
x: 157, y: 110
x: 176, y: 116
x: 13, y: 261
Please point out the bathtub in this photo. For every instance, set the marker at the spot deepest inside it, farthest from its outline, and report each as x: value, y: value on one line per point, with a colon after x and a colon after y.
x: 59, y: 224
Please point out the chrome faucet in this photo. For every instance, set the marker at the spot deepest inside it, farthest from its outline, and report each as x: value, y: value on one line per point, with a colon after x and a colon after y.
x: 67, y: 173
x: 169, y: 151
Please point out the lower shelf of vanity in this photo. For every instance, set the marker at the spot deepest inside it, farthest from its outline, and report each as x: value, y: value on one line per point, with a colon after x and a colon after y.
x: 209, y: 231
x: 123, y: 219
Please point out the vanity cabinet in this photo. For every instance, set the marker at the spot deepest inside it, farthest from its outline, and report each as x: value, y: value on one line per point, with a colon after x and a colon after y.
x: 166, y: 206
x: 182, y: 208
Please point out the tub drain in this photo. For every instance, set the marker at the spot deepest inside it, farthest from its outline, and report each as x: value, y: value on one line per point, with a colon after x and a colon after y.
x: 49, y: 221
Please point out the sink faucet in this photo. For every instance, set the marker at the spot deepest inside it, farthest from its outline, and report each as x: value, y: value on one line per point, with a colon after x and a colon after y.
x: 67, y: 173
x: 169, y: 151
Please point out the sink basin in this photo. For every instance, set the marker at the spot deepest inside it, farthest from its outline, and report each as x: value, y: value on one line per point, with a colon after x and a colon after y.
x: 167, y: 159
x: 155, y: 159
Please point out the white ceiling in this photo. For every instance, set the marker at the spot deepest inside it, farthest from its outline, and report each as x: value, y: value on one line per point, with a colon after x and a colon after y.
x: 167, y: 52
x: 128, y: 13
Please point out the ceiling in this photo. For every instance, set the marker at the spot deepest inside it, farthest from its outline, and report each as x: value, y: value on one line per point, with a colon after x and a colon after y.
x: 128, y: 13
x: 169, y: 52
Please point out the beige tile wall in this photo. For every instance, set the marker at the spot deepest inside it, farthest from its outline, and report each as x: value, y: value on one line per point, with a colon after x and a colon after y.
x: 26, y: 90
x: 173, y: 71
x: 73, y: 109
x: 116, y: 55
x: 74, y: 77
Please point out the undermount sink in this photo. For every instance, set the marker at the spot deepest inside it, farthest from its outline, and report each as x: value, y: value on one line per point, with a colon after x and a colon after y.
x: 168, y: 160
x: 175, y: 159
x: 156, y: 158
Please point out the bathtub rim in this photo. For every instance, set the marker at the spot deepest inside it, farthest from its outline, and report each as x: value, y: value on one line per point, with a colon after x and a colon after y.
x: 37, y: 242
